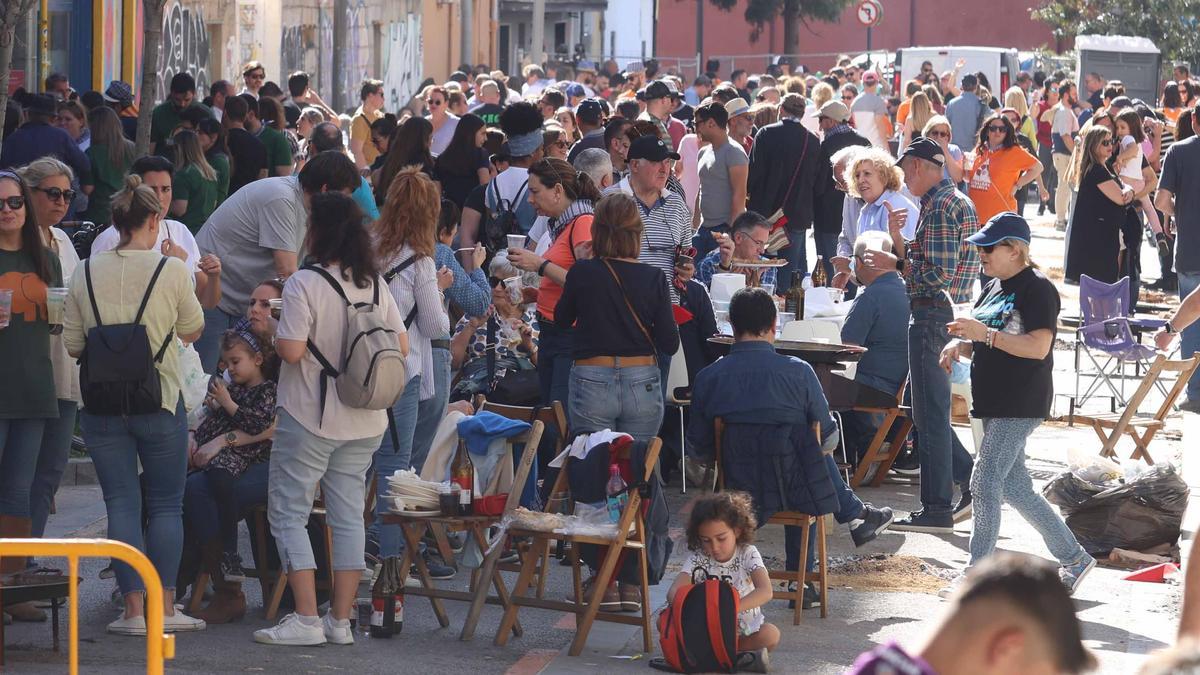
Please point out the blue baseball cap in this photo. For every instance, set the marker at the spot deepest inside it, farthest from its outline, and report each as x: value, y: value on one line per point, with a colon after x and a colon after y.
x: 576, y: 89
x: 1004, y: 225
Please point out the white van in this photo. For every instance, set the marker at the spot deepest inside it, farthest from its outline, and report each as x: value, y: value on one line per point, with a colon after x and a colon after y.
x: 999, y: 64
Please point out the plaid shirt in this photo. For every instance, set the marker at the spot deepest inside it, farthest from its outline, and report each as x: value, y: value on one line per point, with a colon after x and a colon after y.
x: 939, y: 257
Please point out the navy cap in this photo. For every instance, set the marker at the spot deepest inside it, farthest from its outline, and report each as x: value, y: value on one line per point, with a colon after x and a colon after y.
x: 652, y: 148
x: 576, y: 89
x: 926, y: 149
x: 590, y: 111
x: 655, y: 90
x: 1003, y: 225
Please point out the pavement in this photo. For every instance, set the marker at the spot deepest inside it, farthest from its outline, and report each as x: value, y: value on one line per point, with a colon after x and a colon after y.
x: 1122, y: 621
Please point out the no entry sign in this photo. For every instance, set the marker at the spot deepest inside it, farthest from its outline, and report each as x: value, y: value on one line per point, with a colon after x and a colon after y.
x: 869, y: 12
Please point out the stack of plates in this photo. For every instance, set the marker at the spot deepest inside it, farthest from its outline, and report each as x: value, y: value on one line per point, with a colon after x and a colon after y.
x: 409, y: 494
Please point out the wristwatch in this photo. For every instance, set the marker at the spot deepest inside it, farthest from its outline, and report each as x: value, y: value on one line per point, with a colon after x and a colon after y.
x: 230, y: 440
x: 1169, y: 328
x: 900, y: 264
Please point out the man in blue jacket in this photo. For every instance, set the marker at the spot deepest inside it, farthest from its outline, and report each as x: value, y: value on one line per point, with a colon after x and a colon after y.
x: 769, y: 403
x: 38, y: 138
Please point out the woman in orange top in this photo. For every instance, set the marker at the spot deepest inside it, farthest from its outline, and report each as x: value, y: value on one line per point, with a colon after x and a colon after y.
x: 1001, y: 168
x: 1172, y: 102
x: 564, y: 196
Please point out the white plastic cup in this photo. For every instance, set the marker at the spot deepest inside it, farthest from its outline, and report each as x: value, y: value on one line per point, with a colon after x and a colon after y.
x: 516, y: 241
x: 6, y: 295
x: 56, y: 305
x: 769, y: 288
x: 513, y: 284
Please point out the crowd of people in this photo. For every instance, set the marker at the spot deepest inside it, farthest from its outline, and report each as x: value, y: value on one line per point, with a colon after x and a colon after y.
x: 553, y: 236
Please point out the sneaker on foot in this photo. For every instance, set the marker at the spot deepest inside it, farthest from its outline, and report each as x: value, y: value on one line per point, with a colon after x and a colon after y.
x: 182, y: 623
x: 134, y: 625
x: 1071, y: 575
x: 231, y: 567
x: 811, y: 597
x: 757, y: 661
x: 437, y: 569
x: 907, y: 465
x: 962, y: 510
x: 921, y: 521
x: 337, y: 632
x: 873, y: 521
x: 951, y: 588
x: 292, y: 631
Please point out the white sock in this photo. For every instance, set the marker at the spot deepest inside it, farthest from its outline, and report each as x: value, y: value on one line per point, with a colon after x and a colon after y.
x: 337, y: 622
x: 309, y: 620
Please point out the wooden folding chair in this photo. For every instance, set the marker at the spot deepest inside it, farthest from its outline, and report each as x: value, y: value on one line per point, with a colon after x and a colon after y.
x: 1111, y: 426
x: 791, y: 519
x: 476, y: 526
x: 898, y: 415
x: 585, y: 613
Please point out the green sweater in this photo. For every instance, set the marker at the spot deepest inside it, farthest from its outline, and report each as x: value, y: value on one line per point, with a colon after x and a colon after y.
x: 279, y: 151
x: 200, y: 193
x: 107, y: 179
x: 220, y: 163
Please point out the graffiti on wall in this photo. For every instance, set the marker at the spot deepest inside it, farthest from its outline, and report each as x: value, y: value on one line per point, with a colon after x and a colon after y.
x: 355, y: 51
x: 185, y: 48
x: 249, y: 41
x: 324, y: 72
x: 299, y: 49
x: 401, y: 62
x: 110, y: 59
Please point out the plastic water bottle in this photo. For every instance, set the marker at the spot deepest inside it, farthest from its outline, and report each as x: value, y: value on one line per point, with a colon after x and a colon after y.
x: 617, y: 496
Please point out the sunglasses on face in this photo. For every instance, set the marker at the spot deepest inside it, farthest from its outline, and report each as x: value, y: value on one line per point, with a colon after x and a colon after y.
x: 996, y: 129
x: 938, y: 134
x: 435, y: 102
x: 990, y: 247
x: 15, y: 203
x: 847, y: 97
x: 57, y: 194
x: 1106, y: 142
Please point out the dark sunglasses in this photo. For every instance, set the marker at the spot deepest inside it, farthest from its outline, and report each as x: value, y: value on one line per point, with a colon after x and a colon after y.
x: 1106, y: 142
x: 56, y: 194
x: 942, y: 134
x: 435, y: 102
x: 847, y: 97
x: 14, y: 203
x: 997, y: 129
x: 990, y: 247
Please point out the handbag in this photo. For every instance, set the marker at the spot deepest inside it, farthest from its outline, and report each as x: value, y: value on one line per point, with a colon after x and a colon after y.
x: 636, y: 318
x: 779, y: 239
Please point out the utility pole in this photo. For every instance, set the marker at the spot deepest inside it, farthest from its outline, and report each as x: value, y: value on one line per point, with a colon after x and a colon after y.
x: 699, y: 37
x: 536, y: 50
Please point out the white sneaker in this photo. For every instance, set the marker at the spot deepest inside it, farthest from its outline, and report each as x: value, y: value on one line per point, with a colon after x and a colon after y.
x: 291, y: 631
x: 182, y: 623
x: 134, y: 625
x: 337, y: 632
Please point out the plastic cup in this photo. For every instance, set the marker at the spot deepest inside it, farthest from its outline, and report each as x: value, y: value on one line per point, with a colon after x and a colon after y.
x: 56, y: 305
x: 513, y: 284
x: 5, y: 306
x: 276, y: 307
x: 516, y: 241
x: 785, y: 318
x: 769, y: 288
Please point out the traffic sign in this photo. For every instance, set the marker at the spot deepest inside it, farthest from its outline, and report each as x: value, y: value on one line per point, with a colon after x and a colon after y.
x: 869, y: 12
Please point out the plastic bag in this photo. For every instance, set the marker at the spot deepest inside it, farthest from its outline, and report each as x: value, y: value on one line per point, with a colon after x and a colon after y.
x: 1143, y: 512
x: 193, y: 381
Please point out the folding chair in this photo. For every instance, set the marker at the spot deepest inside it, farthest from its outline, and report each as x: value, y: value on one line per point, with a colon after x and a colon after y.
x: 898, y: 415
x: 1130, y: 421
x: 1105, y: 327
x: 677, y: 383
x: 586, y: 613
x: 789, y: 519
x: 412, y: 528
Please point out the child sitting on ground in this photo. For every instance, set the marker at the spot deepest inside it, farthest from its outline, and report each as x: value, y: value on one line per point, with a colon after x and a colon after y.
x: 719, y: 533
x: 1012, y: 614
x: 247, y: 404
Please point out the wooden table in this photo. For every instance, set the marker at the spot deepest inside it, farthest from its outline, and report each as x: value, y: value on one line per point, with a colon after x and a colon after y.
x: 824, y: 357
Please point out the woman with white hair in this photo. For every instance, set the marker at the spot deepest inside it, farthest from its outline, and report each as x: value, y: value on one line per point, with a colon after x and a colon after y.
x: 873, y: 177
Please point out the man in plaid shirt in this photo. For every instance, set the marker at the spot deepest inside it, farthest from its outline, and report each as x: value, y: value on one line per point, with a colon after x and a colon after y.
x: 939, y: 268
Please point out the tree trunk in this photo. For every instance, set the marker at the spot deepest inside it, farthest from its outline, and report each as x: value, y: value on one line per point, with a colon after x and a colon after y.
x: 12, y: 12
x: 152, y: 29
x: 792, y: 22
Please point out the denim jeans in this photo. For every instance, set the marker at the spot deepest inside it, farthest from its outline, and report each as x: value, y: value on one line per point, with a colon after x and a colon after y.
x: 626, y: 399
x: 1189, y: 338
x: 1000, y: 477
x: 431, y: 411
x: 944, y: 460
x: 20, y: 443
x: 51, y: 463
x: 393, y: 455
x: 704, y: 242
x: 159, y: 441
x: 216, y: 322
x: 850, y: 507
x: 554, y: 363
x: 796, y: 254
x: 299, y: 459
x: 200, y: 506
x: 826, y: 243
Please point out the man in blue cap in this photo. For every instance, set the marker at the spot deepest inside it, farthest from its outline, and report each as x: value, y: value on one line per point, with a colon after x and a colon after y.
x: 590, y: 118
x: 939, y: 267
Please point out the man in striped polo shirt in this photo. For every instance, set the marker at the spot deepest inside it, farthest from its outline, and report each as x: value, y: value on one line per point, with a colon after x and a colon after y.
x: 666, y: 221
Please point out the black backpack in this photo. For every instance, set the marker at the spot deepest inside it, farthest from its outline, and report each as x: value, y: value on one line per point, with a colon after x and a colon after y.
x: 117, y: 375
x: 501, y: 218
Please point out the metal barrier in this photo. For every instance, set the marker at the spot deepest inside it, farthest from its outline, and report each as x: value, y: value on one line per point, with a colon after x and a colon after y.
x: 159, y: 646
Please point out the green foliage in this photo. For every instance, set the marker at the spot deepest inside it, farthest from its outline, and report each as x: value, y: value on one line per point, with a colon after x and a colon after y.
x: 1170, y: 24
x: 761, y: 12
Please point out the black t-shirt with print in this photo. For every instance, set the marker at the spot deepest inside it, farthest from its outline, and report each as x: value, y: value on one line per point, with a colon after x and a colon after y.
x: 489, y: 113
x: 1003, y: 385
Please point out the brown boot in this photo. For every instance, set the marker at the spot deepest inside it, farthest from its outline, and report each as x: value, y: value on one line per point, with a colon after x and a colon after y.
x: 227, y: 605
x: 12, y: 527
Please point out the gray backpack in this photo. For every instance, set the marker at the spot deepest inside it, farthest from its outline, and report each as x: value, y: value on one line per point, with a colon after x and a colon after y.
x: 373, y: 371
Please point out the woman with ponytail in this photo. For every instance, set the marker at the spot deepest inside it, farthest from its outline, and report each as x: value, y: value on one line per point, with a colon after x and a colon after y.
x: 117, y: 281
x: 565, y: 197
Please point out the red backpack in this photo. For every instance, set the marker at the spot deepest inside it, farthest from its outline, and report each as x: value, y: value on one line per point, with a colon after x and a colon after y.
x: 698, y: 632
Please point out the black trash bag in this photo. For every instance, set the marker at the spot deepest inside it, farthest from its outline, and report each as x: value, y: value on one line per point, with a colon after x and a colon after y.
x: 1136, y: 515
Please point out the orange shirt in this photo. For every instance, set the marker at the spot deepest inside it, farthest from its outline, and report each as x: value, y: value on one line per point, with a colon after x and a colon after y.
x: 993, y: 177
x: 560, y: 253
x: 902, y: 111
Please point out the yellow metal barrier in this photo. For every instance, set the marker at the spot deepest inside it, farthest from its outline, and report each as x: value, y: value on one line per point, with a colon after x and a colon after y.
x: 159, y: 645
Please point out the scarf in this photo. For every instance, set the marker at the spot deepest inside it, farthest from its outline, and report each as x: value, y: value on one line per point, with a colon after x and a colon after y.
x: 579, y: 207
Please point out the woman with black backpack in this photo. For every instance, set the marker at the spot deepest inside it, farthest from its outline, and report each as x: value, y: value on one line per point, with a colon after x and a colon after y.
x: 132, y: 407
